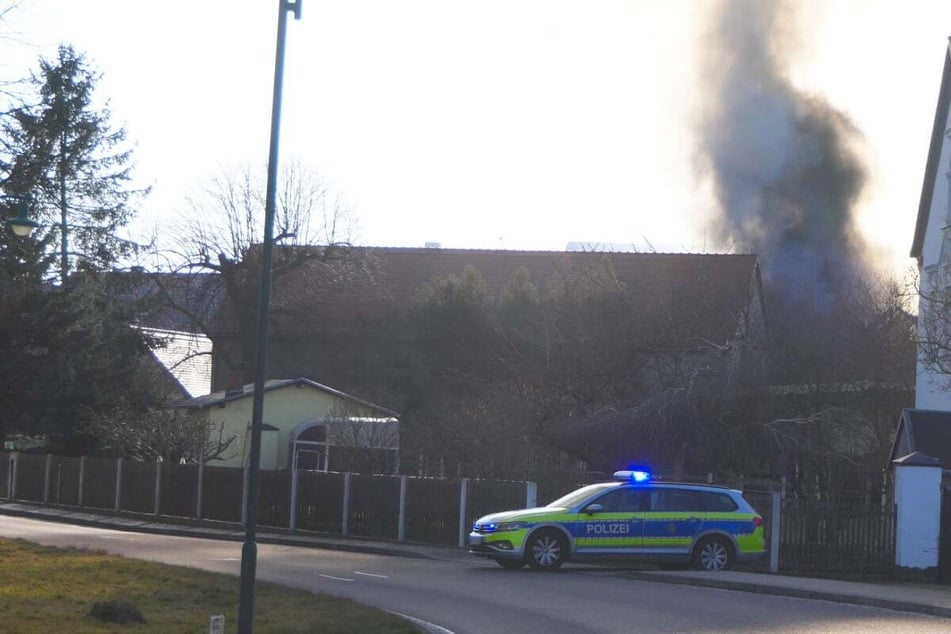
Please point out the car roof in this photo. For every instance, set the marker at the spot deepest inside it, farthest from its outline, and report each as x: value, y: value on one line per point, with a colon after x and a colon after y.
x: 701, y: 486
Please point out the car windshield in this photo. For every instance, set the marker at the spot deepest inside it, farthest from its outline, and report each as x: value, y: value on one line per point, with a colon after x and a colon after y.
x: 576, y: 497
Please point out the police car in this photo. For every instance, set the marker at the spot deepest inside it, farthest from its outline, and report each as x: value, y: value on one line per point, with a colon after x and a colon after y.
x: 633, y: 518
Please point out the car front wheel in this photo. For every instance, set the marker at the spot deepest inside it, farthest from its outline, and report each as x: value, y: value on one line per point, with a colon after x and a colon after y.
x: 713, y: 553
x: 546, y: 550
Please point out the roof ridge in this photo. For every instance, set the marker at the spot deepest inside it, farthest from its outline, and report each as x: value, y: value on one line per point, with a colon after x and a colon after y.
x: 552, y: 252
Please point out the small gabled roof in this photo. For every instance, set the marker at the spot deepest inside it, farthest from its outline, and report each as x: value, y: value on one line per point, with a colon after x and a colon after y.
x: 247, y: 391
x: 925, y: 432
x: 934, y: 157
x: 918, y: 459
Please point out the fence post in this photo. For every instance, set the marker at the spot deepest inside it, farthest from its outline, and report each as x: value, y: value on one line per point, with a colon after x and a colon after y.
x: 401, y: 523
x: 46, y: 479
x: 774, y: 532
x: 12, y: 482
x: 292, y: 522
x: 118, y: 500
x: 345, y: 524
x: 158, y: 486
x: 201, y: 483
x: 82, y: 478
x: 463, y: 510
x: 531, y: 495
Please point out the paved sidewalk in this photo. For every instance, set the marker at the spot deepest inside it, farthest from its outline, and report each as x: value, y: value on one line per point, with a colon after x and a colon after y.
x: 923, y: 598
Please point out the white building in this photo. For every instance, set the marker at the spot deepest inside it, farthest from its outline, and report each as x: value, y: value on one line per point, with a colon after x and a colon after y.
x: 932, y: 248
x: 921, y: 454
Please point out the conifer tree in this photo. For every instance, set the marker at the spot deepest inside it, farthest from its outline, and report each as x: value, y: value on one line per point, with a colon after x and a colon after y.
x: 75, y: 166
x: 68, y: 352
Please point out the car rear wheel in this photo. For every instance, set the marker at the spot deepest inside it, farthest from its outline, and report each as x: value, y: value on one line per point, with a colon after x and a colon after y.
x: 510, y: 564
x: 546, y: 550
x: 713, y: 553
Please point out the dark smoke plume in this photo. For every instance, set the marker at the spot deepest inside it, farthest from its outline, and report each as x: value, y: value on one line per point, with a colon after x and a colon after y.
x: 785, y: 165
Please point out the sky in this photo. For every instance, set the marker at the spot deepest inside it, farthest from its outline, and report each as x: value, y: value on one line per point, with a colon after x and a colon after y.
x: 516, y: 124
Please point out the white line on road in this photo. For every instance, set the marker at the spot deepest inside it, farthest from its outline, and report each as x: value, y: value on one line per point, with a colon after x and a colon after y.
x: 333, y: 578
x: 430, y: 628
x: 224, y: 559
x: 370, y: 574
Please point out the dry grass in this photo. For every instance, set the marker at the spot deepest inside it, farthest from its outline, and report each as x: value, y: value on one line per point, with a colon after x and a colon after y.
x: 52, y: 590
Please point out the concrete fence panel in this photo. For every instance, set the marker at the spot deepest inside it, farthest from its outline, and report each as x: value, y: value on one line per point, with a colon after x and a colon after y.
x: 222, y: 493
x: 99, y: 482
x: 432, y: 510
x: 31, y: 477
x: 179, y: 489
x: 320, y: 501
x: 374, y: 506
x: 138, y: 487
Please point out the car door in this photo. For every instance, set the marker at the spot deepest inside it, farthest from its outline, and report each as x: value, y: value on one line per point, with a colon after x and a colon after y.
x: 611, y: 524
x: 674, y: 519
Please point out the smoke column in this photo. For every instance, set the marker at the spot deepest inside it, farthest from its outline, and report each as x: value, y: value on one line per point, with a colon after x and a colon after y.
x: 784, y: 165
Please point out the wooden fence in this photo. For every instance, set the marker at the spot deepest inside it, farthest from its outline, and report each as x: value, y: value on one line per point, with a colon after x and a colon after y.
x: 848, y: 538
x: 438, y: 511
x: 853, y: 538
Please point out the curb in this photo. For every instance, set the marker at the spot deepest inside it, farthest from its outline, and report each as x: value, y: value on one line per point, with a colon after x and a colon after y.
x: 222, y: 534
x: 786, y: 591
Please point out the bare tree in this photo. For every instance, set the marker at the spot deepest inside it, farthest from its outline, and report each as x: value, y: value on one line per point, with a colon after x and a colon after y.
x: 9, y: 36
x: 842, y: 371
x: 172, y: 435
x: 226, y: 220
x: 362, y: 440
x: 222, y: 235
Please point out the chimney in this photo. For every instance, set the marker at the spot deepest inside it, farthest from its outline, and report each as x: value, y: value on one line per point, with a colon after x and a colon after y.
x: 235, y: 385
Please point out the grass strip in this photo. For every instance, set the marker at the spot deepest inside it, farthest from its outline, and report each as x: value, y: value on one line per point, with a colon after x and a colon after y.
x: 45, y: 589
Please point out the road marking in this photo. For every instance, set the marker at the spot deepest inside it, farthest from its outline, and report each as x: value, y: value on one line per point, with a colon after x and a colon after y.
x: 333, y: 578
x: 370, y: 574
x: 224, y: 559
x: 430, y: 628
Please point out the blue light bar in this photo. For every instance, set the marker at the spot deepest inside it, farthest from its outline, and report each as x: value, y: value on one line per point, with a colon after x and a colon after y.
x: 634, y: 475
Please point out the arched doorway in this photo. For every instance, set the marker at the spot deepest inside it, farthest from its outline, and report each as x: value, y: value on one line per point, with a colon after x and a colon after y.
x: 309, y: 449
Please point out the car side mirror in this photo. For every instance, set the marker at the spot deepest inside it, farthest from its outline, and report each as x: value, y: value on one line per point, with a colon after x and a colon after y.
x: 591, y: 509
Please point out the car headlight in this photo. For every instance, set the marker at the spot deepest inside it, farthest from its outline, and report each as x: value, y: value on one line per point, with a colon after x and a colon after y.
x: 503, y: 527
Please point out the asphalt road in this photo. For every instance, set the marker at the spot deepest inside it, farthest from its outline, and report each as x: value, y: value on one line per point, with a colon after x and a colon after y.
x: 471, y: 596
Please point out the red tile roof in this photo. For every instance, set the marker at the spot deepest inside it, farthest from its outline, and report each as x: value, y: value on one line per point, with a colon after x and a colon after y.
x: 709, y: 291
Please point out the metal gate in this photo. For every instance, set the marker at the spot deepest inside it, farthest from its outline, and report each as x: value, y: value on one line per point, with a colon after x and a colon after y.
x: 310, y: 456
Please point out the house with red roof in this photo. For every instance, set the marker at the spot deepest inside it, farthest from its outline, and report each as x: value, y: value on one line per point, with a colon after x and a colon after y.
x: 328, y: 316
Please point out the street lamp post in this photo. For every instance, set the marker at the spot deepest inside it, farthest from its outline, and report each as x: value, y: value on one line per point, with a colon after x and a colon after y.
x: 249, y: 551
